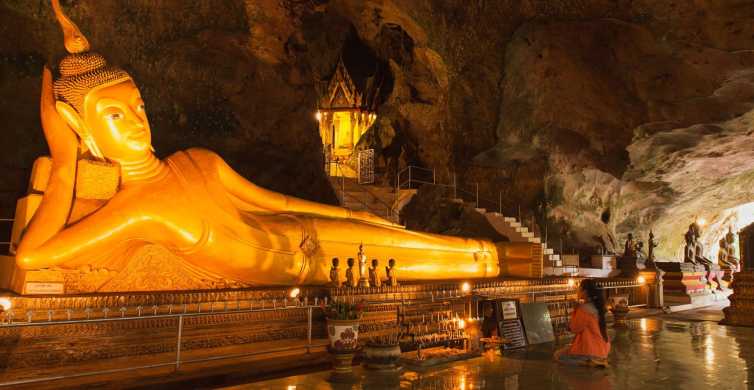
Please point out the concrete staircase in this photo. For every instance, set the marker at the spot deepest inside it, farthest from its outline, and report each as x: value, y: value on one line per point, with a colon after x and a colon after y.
x: 516, y: 232
x: 378, y: 200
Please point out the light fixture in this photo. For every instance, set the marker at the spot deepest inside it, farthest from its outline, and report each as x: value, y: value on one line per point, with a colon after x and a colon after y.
x: 294, y: 293
x: 5, y: 303
x: 461, y: 324
x: 318, y: 115
x: 465, y: 287
x: 641, y: 279
x: 571, y: 282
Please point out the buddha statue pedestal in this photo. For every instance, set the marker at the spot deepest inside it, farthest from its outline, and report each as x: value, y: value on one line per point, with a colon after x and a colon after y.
x: 629, y: 266
x: 684, y: 283
x: 741, y: 309
x: 150, y: 268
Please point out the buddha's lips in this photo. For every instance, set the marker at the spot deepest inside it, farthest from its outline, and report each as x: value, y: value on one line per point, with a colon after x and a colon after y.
x: 138, y: 134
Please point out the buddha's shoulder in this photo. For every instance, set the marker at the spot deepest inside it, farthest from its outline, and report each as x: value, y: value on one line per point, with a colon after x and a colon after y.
x: 196, y: 158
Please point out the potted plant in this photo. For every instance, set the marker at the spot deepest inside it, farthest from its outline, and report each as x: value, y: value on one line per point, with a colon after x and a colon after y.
x: 343, y: 331
x: 343, y: 325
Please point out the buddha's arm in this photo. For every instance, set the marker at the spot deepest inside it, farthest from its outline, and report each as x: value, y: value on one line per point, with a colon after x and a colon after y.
x: 113, y: 225
x: 259, y: 198
x: 52, y: 214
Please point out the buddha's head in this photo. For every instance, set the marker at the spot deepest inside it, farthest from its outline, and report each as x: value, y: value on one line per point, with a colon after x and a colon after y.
x: 101, y: 103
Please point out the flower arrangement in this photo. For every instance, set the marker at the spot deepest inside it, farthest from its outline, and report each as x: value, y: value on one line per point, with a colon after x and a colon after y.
x: 343, y: 311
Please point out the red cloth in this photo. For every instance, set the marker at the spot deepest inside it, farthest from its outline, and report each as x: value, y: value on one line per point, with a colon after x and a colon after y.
x: 588, y: 341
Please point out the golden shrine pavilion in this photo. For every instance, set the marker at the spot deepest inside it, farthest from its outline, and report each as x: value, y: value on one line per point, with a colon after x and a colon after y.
x: 344, y: 113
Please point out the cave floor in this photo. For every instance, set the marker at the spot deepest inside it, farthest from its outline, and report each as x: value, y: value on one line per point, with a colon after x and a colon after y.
x: 675, y: 351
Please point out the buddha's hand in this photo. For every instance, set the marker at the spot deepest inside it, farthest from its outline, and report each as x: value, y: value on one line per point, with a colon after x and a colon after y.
x: 60, y: 137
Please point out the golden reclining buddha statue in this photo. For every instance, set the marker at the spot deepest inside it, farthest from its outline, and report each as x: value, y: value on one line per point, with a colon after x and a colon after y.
x: 196, y: 209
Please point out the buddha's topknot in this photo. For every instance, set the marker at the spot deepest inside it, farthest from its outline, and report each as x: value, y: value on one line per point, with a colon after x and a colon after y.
x: 81, y: 70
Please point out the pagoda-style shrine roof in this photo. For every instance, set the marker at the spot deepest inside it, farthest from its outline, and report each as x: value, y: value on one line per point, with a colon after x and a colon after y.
x: 349, y: 88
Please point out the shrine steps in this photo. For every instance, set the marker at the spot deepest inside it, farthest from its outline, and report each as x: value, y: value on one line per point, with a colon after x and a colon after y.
x: 378, y: 200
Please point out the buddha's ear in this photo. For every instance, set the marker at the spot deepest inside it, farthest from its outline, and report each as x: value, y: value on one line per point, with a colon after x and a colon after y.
x: 72, y: 118
x: 76, y: 123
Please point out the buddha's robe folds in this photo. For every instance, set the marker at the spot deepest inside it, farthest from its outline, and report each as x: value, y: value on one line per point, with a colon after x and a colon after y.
x: 237, y: 230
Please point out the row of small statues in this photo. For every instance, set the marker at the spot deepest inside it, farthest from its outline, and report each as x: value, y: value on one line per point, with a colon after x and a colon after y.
x: 635, y: 249
x: 694, y: 249
x: 374, y: 279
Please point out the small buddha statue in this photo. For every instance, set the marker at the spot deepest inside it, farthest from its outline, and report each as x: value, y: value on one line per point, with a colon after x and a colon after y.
x: 350, y: 280
x: 392, y: 278
x: 334, y: 273
x: 629, y: 250
x: 689, y: 250
x: 699, y: 247
x: 374, y: 277
x: 651, y: 245
x: 730, y: 260
x: 363, y: 271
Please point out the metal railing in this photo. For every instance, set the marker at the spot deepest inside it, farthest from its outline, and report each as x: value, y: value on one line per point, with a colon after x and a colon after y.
x: 407, y: 177
x: 637, y: 294
x: 141, y: 315
x: 389, y: 211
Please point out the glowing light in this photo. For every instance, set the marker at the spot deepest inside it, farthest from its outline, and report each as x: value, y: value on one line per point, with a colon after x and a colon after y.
x: 461, y: 324
x: 465, y: 287
x: 5, y: 303
x: 643, y: 324
x: 641, y: 280
x: 709, y: 353
x: 291, y: 387
x: 571, y: 282
x: 294, y: 292
x: 701, y: 222
x: 318, y: 115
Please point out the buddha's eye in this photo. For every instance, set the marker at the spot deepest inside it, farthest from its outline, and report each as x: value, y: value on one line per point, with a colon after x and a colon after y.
x: 114, y: 116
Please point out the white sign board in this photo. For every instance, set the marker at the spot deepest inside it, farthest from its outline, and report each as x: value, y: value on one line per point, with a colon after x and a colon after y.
x: 36, y: 288
x: 509, y: 310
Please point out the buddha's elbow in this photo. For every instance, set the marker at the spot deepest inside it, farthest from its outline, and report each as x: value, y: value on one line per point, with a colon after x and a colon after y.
x: 26, y: 259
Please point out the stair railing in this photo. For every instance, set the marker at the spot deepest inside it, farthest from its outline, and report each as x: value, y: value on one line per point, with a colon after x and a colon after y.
x: 343, y: 194
x: 408, y: 176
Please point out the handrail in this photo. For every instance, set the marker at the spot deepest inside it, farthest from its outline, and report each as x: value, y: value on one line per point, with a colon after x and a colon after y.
x: 479, y: 200
x: 178, y: 361
x: 344, y: 194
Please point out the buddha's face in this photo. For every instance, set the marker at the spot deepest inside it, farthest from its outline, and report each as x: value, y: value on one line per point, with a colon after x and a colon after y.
x: 114, y: 116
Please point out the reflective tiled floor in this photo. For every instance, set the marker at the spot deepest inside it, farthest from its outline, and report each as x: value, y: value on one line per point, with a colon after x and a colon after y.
x: 650, y: 354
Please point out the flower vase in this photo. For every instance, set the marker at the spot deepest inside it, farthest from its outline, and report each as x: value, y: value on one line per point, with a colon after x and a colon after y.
x: 344, y: 337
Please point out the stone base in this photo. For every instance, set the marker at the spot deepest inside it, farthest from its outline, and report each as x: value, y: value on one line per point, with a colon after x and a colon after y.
x: 685, y: 299
x: 684, y: 283
x: 146, y: 268
x: 741, y: 309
